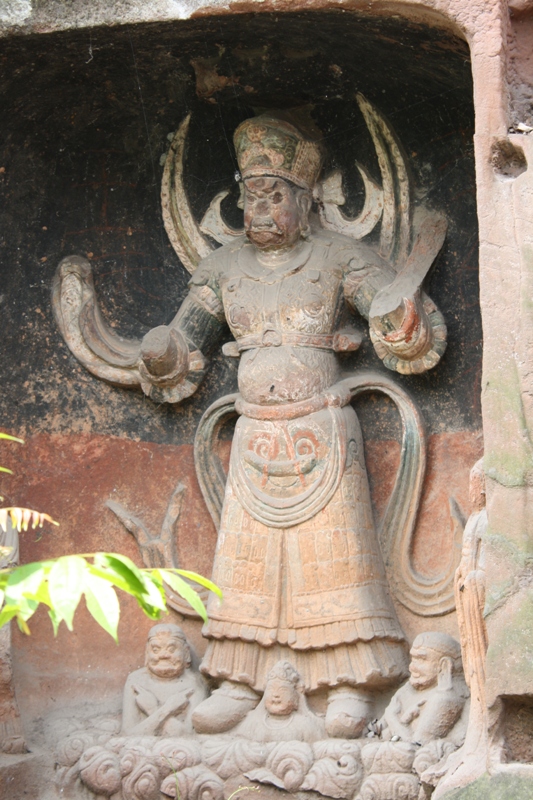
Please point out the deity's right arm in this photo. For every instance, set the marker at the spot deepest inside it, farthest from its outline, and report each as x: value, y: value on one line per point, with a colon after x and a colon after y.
x: 172, y: 357
x: 169, y: 363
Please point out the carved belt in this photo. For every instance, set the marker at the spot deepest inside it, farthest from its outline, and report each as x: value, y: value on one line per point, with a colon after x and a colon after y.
x: 336, y: 396
x: 342, y: 341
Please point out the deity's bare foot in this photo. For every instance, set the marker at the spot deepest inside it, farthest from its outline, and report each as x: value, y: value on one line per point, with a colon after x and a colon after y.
x: 348, y: 712
x: 226, y: 707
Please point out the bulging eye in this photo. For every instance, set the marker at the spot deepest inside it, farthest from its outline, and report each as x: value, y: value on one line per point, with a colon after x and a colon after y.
x: 250, y: 198
x: 262, y: 447
x: 304, y: 447
x: 277, y: 197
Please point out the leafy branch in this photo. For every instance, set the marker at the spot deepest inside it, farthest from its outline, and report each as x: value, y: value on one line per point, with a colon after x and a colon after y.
x: 60, y: 583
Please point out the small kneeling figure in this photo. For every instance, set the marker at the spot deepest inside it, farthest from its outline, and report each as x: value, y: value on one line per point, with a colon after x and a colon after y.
x: 429, y: 706
x: 160, y: 697
x: 283, y: 714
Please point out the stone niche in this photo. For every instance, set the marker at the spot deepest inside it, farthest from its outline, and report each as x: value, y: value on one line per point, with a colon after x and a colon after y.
x: 88, y: 118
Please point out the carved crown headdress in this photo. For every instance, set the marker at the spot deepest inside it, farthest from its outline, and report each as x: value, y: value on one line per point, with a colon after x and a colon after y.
x: 271, y: 145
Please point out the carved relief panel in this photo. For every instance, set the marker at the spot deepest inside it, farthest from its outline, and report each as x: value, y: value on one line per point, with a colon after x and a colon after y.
x: 337, y: 319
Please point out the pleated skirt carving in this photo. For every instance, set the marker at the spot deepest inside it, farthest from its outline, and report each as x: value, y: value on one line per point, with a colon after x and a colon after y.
x: 314, y: 594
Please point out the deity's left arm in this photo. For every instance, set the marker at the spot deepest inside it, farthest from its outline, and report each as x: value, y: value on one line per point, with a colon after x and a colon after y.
x: 406, y: 327
x: 440, y: 715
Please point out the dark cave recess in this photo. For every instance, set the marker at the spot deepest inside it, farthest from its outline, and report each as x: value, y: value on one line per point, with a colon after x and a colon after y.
x: 86, y: 123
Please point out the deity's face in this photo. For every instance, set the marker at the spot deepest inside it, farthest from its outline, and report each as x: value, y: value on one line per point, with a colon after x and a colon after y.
x: 281, y: 697
x: 424, y: 667
x: 274, y: 213
x: 165, y: 655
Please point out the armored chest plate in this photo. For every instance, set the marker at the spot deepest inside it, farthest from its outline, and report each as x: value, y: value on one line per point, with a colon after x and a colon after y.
x: 304, y: 295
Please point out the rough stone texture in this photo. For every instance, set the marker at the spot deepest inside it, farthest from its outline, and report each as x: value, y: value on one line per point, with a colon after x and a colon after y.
x: 518, y: 734
x: 501, y: 787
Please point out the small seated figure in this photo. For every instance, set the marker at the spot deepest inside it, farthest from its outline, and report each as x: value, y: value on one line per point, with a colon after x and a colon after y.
x: 160, y: 697
x: 430, y: 705
x: 282, y: 714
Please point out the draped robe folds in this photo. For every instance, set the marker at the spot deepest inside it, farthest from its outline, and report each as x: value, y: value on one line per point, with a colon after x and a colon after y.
x: 297, y: 559
x: 314, y: 593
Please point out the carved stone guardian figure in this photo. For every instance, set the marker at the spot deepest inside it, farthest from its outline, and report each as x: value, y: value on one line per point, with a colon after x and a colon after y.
x: 430, y: 704
x: 160, y: 697
x: 283, y: 713
x: 470, y: 761
x: 298, y: 557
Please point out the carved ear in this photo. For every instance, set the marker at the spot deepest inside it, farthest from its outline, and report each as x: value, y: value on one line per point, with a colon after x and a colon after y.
x: 304, y: 202
x: 240, y: 201
x: 445, y: 679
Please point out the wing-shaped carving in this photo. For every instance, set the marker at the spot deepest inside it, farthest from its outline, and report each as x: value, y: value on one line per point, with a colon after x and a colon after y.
x: 182, y: 229
x: 214, y: 225
x: 100, y: 350
x: 396, y: 220
x: 187, y: 238
x: 331, y: 196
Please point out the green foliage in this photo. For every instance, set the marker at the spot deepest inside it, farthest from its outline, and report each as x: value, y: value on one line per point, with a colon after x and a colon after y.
x: 60, y: 584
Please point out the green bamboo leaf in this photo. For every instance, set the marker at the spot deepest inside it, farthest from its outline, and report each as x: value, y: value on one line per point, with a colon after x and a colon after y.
x: 65, y: 586
x: 139, y: 591
x: 55, y: 620
x: 26, y: 606
x: 11, y: 438
x: 42, y: 594
x: 24, y: 581
x: 7, y: 613
x: 124, y: 569
x: 102, y: 602
x: 109, y: 576
x: 184, y: 590
x: 21, y: 622
x: 155, y: 591
x: 134, y: 581
x: 5, y: 469
x: 193, y: 576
